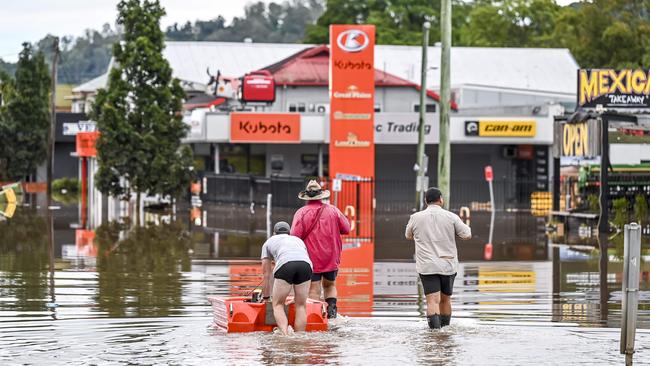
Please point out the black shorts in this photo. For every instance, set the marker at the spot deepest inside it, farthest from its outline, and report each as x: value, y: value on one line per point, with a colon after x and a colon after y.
x: 330, y: 276
x: 436, y: 282
x: 294, y: 272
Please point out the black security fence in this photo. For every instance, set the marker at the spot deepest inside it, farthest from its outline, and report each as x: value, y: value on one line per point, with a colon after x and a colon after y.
x: 391, y: 195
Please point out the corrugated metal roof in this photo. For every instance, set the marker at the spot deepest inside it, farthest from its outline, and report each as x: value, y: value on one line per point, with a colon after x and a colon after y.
x: 532, y: 69
x: 190, y: 60
x: 311, y: 67
x: 92, y: 85
x: 545, y: 70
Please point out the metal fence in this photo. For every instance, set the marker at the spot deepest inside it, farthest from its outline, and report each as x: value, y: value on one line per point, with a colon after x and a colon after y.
x: 391, y: 195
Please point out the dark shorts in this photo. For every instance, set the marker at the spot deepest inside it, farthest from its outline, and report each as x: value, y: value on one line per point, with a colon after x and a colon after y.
x: 294, y: 272
x: 330, y: 276
x: 433, y: 283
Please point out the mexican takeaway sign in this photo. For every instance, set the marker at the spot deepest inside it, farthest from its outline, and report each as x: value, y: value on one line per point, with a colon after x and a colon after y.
x: 611, y: 88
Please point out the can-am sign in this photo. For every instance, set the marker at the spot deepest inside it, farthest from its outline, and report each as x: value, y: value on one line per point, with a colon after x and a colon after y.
x: 613, y: 88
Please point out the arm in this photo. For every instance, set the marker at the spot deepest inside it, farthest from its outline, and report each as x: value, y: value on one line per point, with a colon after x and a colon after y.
x: 296, y: 225
x: 344, y: 224
x: 267, y: 279
x: 409, y: 229
x: 463, y: 231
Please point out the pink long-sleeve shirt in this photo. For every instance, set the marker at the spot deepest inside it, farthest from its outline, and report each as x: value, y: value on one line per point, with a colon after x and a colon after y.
x: 324, y: 244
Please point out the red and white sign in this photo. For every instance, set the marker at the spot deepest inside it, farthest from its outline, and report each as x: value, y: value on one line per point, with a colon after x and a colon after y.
x: 265, y: 127
x: 489, y: 176
x: 87, y: 144
x: 352, y: 92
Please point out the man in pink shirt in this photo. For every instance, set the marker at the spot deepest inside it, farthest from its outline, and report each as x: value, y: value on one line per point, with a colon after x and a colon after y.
x: 320, y: 225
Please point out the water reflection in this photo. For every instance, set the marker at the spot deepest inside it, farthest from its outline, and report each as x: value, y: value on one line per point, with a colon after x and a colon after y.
x: 23, y: 262
x: 139, y: 269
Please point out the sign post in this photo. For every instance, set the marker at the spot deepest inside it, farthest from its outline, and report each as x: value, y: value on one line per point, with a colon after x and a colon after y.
x: 489, y: 177
x: 630, y: 301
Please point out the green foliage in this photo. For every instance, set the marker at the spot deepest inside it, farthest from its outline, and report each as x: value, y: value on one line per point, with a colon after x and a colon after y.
x: 66, y: 190
x: 276, y: 22
x: 397, y: 22
x: 640, y: 208
x: 621, y: 212
x: 139, y: 114
x: 82, y: 58
x: 510, y: 23
x: 24, y: 116
x: 593, y: 203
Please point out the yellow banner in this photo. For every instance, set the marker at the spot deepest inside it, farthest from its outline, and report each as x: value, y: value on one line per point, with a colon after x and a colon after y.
x: 507, y: 128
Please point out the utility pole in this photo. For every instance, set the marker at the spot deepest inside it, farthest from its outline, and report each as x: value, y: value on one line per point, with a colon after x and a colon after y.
x: 444, y: 149
x: 423, y: 94
x: 52, y: 131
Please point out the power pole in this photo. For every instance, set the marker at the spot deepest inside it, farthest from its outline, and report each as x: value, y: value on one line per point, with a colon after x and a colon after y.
x: 423, y: 94
x: 444, y: 149
x: 52, y: 131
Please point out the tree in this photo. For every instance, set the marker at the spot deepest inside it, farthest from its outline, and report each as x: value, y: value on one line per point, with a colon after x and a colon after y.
x: 606, y: 33
x: 139, y: 114
x: 397, y: 22
x: 510, y: 23
x: 275, y: 22
x: 24, y: 116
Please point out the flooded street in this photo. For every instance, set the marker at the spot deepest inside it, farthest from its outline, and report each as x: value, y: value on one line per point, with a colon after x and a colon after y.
x: 120, y: 296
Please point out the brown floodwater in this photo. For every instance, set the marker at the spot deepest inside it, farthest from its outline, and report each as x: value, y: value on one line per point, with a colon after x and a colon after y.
x: 118, y: 295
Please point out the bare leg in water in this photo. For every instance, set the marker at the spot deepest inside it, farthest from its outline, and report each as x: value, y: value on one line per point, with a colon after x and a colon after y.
x: 281, y: 290
x: 301, y: 292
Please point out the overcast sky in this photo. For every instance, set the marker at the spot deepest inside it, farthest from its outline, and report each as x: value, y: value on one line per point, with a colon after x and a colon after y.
x: 31, y: 20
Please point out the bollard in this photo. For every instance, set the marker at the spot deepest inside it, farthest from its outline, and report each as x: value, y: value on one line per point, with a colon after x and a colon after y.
x: 630, y: 298
x: 268, y: 215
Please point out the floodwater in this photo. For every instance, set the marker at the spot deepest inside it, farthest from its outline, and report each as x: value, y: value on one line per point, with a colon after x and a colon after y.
x: 115, y: 295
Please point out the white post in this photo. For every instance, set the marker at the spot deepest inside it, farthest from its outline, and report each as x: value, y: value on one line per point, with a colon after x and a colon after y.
x: 216, y: 159
x: 630, y: 300
x: 268, y: 215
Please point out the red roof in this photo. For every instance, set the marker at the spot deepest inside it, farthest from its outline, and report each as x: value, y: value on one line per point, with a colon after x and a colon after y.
x: 310, y: 67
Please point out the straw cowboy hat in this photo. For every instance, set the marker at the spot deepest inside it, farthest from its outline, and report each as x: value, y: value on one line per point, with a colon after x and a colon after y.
x: 313, y: 192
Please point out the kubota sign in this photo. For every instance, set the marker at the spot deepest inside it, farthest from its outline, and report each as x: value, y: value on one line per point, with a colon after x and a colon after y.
x: 265, y: 127
x: 352, y: 92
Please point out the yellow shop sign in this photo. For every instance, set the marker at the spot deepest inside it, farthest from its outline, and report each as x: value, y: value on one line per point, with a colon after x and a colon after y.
x: 500, y: 128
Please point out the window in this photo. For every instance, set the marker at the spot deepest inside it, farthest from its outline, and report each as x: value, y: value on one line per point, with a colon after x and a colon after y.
x: 297, y: 107
x: 430, y: 108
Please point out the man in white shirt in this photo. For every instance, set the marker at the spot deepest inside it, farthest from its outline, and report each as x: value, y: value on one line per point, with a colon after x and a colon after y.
x: 293, y: 269
x: 436, y: 257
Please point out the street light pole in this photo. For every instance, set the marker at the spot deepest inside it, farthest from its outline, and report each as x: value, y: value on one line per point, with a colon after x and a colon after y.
x: 52, y: 130
x: 419, y: 183
x: 444, y: 149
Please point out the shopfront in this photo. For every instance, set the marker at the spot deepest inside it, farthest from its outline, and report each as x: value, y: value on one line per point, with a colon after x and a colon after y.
x: 296, y: 146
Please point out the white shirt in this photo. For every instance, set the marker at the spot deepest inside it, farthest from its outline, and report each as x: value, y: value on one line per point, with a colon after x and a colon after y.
x: 283, y: 248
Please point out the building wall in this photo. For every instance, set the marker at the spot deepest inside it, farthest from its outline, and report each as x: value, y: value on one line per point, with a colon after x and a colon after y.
x: 475, y: 98
x: 388, y: 99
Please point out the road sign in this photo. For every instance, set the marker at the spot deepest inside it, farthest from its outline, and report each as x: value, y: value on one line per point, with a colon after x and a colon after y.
x: 488, y: 173
x: 336, y: 185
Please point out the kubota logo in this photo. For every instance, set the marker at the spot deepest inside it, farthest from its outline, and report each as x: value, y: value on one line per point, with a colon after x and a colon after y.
x: 353, y: 40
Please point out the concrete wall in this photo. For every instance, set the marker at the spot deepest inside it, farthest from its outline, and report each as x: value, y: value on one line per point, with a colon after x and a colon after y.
x: 291, y: 155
